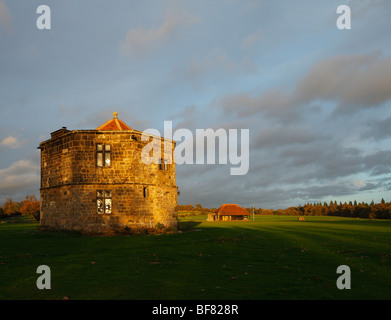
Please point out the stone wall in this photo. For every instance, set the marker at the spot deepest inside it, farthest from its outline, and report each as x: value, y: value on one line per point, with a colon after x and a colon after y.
x: 142, y: 195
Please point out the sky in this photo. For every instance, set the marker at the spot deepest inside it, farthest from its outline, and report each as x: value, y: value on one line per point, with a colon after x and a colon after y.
x: 316, y: 99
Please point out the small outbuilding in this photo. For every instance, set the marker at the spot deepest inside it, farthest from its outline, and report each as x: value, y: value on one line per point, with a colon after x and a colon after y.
x: 229, y: 212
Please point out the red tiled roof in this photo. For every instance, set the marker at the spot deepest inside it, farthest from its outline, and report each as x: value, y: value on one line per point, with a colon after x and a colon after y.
x: 231, y: 210
x: 114, y: 124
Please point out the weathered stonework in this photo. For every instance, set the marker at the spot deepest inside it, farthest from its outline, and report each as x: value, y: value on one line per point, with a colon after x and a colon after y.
x: 139, y: 196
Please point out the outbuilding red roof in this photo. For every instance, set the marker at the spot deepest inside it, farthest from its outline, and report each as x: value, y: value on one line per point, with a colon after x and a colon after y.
x: 114, y: 124
x: 231, y: 210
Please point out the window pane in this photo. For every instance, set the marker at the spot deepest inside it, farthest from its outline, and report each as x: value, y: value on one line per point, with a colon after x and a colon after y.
x: 107, y: 159
x: 99, y: 193
x: 107, y: 193
x: 99, y: 205
x: 99, y: 147
x: 107, y: 147
x: 99, y: 159
x: 108, y: 205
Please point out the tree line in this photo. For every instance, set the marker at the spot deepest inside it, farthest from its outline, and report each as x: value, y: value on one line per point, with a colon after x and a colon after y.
x: 380, y: 210
x: 189, y: 207
x: 351, y: 209
x: 30, y: 206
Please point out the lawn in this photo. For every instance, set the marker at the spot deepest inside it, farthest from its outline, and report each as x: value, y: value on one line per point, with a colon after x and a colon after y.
x: 273, y: 257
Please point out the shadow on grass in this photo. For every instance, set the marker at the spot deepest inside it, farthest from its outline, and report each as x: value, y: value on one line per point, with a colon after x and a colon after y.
x: 186, y: 226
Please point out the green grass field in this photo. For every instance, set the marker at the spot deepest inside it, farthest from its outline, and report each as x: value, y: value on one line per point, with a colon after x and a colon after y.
x: 274, y: 257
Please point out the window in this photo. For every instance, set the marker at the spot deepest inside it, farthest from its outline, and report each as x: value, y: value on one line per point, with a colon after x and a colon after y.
x: 163, y: 165
x: 103, y: 155
x: 145, y: 192
x: 103, y: 201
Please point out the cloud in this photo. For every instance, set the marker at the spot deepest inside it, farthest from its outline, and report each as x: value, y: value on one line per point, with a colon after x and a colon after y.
x: 287, y: 173
x: 279, y: 183
x: 212, y: 67
x: 11, y: 142
x: 249, y: 41
x: 19, y: 176
x: 378, y: 163
x: 188, y: 117
x: 353, y: 82
x: 361, y: 8
x: 378, y: 129
x: 141, y: 41
x: 278, y: 137
x: 272, y: 104
x: 323, y: 162
x: 299, y: 152
x: 5, y: 16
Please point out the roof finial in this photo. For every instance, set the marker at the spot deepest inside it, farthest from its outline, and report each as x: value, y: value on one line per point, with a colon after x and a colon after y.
x: 115, y: 115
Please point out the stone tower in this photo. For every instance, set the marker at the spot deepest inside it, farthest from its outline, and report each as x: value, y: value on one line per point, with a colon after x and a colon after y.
x: 95, y: 181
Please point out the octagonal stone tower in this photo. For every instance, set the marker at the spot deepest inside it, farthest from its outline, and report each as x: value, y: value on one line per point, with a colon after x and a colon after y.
x: 94, y: 181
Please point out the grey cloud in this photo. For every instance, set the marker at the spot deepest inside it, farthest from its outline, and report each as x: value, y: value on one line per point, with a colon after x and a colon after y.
x: 353, y: 82
x: 378, y: 129
x: 322, y: 164
x: 201, y: 69
x: 272, y: 104
x: 313, y: 163
x: 300, y: 161
x: 188, y: 118
x: 378, y: 163
x: 19, y: 178
x: 317, y: 192
x: 286, y: 175
x: 207, y: 180
x: 361, y: 8
x: 369, y: 186
x: 281, y: 136
x: 359, y: 81
x: 141, y: 41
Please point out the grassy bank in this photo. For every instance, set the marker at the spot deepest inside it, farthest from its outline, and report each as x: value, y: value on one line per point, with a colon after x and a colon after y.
x: 273, y: 257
